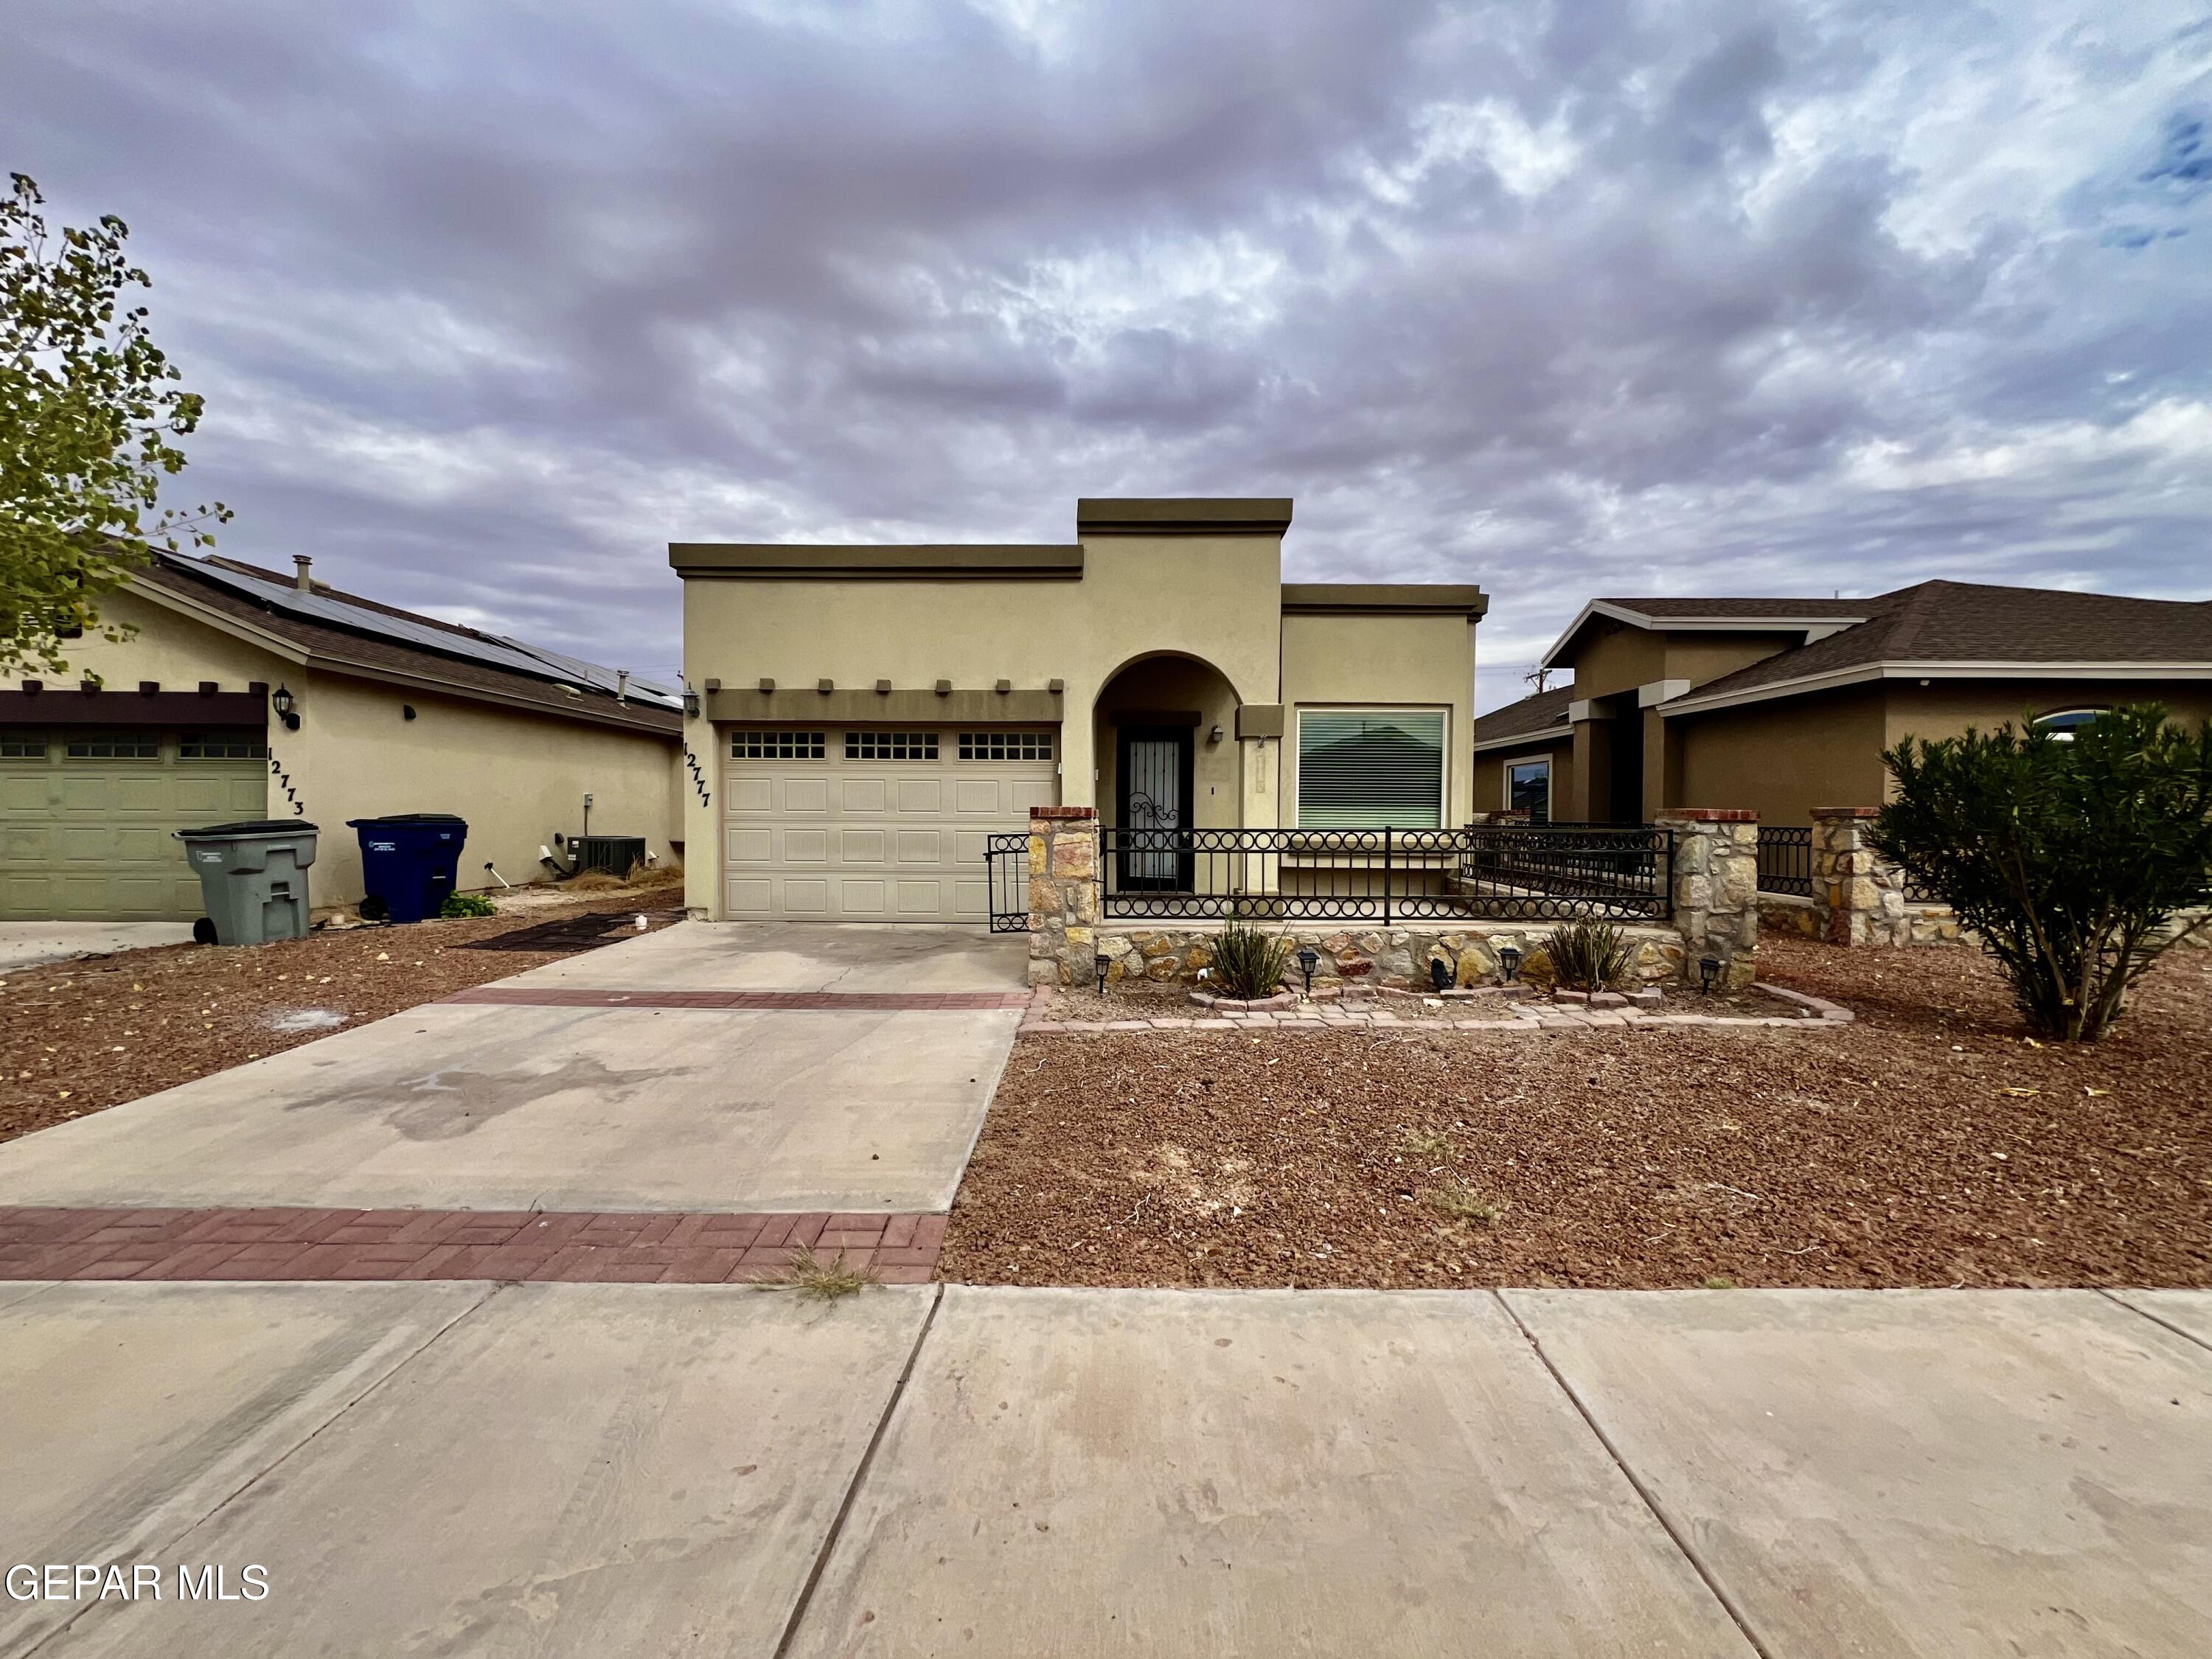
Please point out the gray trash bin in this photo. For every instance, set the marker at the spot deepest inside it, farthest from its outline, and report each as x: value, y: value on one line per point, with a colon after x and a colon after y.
x: 253, y: 876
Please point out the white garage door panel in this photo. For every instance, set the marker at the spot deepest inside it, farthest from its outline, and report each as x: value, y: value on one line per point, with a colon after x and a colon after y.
x: 868, y: 838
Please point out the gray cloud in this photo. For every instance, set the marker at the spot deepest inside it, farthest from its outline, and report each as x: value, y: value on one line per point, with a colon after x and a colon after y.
x: 490, y: 304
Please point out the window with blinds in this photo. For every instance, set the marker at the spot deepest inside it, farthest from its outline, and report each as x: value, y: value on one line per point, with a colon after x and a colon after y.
x: 1368, y: 769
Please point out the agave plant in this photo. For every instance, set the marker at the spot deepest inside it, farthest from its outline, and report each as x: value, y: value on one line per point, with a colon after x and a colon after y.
x: 1588, y: 956
x: 1248, y: 962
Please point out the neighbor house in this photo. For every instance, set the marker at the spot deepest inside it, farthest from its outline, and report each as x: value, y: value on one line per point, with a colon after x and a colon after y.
x: 1779, y: 706
x: 867, y: 717
x: 244, y: 694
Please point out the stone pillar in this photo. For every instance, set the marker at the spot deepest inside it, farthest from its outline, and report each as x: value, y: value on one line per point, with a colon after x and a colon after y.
x: 1063, y: 895
x: 1858, y: 897
x: 1716, y: 883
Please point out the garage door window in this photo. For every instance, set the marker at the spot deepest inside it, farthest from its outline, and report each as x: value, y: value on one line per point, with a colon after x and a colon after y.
x: 203, y: 746
x: 890, y: 746
x: 116, y: 745
x: 23, y: 747
x: 777, y: 745
x: 1006, y: 746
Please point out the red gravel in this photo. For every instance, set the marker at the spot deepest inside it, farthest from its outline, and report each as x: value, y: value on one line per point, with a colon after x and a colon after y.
x: 1928, y: 1143
x: 77, y: 1036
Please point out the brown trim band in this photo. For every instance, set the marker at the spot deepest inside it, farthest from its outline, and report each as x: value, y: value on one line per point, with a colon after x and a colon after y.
x: 1215, y: 515
x: 1384, y: 599
x: 189, y: 709
x: 888, y: 707
x: 776, y: 562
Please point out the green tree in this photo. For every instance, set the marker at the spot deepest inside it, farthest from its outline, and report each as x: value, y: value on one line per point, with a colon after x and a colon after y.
x: 88, y: 407
x: 2067, y: 859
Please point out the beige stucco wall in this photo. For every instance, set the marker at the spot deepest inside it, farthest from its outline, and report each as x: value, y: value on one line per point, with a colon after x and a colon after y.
x: 516, y: 777
x: 1381, y: 661
x: 176, y: 651
x: 1216, y: 599
x: 1181, y: 685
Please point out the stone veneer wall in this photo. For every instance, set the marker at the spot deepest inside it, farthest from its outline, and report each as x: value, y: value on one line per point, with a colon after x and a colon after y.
x: 1352, y: 954
x: 1063, y: 895
x: 1716, y: 876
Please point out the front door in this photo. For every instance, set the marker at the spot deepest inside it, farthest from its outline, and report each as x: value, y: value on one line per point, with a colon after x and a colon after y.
x: 1153, y: 799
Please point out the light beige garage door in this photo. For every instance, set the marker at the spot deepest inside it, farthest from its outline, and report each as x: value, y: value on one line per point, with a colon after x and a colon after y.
x: 852, y: 823
x: 86, y: 816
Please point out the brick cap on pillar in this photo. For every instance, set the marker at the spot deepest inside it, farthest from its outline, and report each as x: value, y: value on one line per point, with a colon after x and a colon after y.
x: 1709, y: 814
x: 1847, y: 811
x: 1063, y: 812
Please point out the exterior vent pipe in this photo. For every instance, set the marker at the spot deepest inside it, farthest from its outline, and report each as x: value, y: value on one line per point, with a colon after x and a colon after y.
x: 301, y: 565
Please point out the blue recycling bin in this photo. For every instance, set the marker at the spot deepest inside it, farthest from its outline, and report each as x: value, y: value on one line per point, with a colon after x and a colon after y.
x: 409, y: 863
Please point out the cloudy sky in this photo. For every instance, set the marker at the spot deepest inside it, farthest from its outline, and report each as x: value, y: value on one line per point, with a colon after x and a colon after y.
x: 490, y: 303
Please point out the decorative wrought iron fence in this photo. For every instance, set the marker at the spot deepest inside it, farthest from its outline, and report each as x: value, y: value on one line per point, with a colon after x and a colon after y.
x: 1521, y: 872
x: 1785, y: 859
x: 1006, y: 863
x: 1917, y: 891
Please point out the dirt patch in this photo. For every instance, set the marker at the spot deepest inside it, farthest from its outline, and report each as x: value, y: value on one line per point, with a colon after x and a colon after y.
x: 1930, y: 1143
x: 77, y: 1036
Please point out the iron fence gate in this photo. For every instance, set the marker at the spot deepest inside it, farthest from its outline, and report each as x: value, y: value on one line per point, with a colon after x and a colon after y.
x: 1006, y: 864
x: 1785, y: 859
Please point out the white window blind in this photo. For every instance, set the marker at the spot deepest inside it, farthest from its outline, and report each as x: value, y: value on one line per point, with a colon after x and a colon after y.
x: 1367, y: 769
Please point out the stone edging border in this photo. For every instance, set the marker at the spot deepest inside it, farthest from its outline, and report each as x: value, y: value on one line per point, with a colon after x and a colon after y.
x: 1525, y: 1017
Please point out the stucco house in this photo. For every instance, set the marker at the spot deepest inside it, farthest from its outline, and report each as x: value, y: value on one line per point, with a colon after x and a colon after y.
x: 245, y: 693
x: 862, y: 718
x: 1780, y: 706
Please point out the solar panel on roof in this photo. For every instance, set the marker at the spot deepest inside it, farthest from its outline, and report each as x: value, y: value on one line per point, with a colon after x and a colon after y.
x: 511, y: 655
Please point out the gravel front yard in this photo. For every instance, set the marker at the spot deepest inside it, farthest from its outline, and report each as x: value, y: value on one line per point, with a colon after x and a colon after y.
x: 76, y: 1036
x: 1928, y: 1143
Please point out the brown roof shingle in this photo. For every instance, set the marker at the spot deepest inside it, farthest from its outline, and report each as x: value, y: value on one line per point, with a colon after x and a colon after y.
x: 1542, y: 713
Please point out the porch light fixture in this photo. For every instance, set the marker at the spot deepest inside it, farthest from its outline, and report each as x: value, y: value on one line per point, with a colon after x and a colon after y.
x: 1309, y: 959
x: 280, y: 701
x: 690, y: 703
x: 1709, y: 968
x: 1509, y: 960
x: 1101, y: 960
x: 1214, y: 736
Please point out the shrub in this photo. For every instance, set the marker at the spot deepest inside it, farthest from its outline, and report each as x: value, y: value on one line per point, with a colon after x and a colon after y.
x: 1248, y: 962
x: 2066, y: 859
x: 1588, y: 956
x: 467, y: 905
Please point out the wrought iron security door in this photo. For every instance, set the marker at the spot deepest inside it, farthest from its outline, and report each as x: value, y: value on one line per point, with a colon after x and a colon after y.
x: 1155, y: 791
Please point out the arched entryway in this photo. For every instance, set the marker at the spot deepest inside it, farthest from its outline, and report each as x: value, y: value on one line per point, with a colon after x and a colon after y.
x: 1167, y: 756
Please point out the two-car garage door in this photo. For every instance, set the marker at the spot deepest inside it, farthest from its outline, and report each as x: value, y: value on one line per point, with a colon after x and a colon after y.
x: 844, y: 823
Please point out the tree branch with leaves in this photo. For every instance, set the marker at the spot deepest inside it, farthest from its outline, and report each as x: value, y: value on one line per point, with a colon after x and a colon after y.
x: 89, y: 407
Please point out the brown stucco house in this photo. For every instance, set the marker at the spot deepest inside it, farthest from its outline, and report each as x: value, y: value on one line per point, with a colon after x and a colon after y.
x: 1779, y: 706
x: 247, y: 694
x: 863, y: 718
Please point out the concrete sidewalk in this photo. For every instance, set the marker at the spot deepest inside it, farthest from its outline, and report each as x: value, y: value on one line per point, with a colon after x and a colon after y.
x: 28, y: 943
x: 610, y: 1471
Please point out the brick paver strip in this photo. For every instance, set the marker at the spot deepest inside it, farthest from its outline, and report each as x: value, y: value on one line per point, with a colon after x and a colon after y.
x: 631, y: 1246
x: 578, y: 996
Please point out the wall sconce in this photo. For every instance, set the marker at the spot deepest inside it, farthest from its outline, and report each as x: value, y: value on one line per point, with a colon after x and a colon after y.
x: 1709, y: 968
x: 1309, y: 959
x: 690, y: 703
x: 1214, y: 736
x: 280, y: 701
x: 1509, y: 960
x: 406, y: 711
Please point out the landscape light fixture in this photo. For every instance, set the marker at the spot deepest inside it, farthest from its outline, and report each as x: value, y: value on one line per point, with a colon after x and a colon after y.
x: 1440, y: 974
x: 1709, y: 968
x: 1309, y: 959
x: 280, y: 701
x: 1100, y: 961
x: 1509, y: 960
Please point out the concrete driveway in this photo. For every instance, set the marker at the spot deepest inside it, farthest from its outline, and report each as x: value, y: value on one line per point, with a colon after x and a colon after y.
x: 540, y: 1102
x: 604, y: 1471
